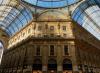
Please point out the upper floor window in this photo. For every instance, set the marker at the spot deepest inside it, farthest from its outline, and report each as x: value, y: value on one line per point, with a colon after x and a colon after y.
x: 29, y: 30
x: 23, y: 34
x: 66, y: 50
x: 64, y: 28
x: 39, y: 28
x: 51, y: 50
x: 64, y: 35
x: 51, y: 27
x: 38, y: 50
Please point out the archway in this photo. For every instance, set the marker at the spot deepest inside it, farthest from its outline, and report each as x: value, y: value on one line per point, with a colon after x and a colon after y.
x: 37, y: 66
x: 52, y: 66
x: 67, y: 66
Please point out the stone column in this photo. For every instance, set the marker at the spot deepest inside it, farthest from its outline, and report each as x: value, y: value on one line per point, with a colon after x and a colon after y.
x: 59, y: 50
x: 31, y: 53
x: 45, y: 52
x: 73, y: 56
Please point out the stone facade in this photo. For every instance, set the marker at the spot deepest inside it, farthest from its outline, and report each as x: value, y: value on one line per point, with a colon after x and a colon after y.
x: 55, y: 53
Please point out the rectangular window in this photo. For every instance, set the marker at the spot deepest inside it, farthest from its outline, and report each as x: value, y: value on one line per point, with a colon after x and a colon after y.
x: 51, y: 27
x: 64, y: 28
x: 66, y: 50
x: 51, y: 50
x: 29, y: 30
x: 38, y: 50
x: 64, y: 35
x: 39, y: 28
x: 23, y: 34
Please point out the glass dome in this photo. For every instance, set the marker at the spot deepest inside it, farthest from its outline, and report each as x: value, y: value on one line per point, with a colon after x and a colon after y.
x: 51, y: 3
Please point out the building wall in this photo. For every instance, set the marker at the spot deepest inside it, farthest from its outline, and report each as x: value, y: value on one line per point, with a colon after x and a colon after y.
x: 25, y: 54
x: 87, y: 47
x: 43, y: 29
x: 82, y: 54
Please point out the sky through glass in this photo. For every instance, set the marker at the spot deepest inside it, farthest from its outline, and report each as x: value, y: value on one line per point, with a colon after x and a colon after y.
x: 87, y: 15
x: 51, y: 3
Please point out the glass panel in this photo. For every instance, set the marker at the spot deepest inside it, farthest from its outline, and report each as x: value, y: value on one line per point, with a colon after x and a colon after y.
x: 20, y: 20
x: 51, y: 3
x: 87, y: 14
x: 13, y: 18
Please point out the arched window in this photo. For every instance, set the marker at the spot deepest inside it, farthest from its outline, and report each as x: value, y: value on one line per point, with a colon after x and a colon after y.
x: 37, y: 64
x: 67, y: 64
x: 52, y: 64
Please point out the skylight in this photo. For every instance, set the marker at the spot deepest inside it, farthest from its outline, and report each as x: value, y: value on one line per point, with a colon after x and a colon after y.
x: 51, y: 3
x: 88, y: 16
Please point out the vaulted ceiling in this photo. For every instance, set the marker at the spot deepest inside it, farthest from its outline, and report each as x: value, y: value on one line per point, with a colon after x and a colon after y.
x: 14, y: 15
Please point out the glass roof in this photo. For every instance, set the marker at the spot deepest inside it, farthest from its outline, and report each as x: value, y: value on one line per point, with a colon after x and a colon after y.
x: 13, y: 16
x: 87, y: 15
x: 51, y: 3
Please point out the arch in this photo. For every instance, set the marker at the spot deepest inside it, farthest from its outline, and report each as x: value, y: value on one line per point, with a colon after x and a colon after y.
x: 51, y: 11
x: 52, y: 64
x: 52, y: 61
x: 51, y: 15
x: 37, y: 61
x: 37, y: 65
x: 67, y: 64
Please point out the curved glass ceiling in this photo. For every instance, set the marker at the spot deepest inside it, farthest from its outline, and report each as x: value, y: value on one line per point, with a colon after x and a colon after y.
x: 12, y: 17
x: 17, y: 20
x: 88, y: 16
x: 51, y: 3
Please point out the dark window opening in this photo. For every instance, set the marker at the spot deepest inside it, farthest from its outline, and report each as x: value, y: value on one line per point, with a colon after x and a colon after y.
x: 66, y: 50
x: 38, y: 50
x: 37, y: 64
x: 67, y: 64
x: 51, y: 35
x: 51, y: 27
x: 52, y: 64
x: 64, y: 28
x: 29, y: 30
x: 51, y: 50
